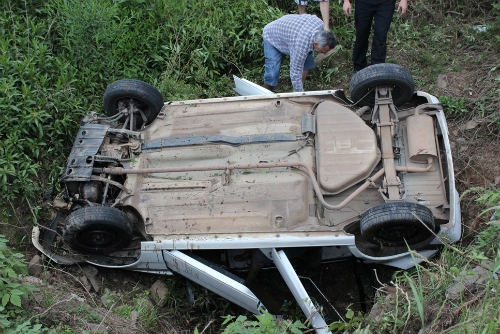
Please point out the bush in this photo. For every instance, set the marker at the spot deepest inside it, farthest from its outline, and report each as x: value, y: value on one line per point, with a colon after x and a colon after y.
x: 59, y: 56
x: 11, y: 291
x: 265, y: 324
x: 39, y: 107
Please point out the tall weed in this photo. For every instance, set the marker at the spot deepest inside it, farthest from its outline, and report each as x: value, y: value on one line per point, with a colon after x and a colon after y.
x: 11, y: 290
x: 58, y: 57
x: 39, y: 108
x: 433, y: 11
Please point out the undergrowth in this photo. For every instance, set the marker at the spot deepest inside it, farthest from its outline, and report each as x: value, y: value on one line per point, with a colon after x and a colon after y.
x: 265, y: 324
x: 457, y: 293
x: 59, y: 56
x: 13, y: 318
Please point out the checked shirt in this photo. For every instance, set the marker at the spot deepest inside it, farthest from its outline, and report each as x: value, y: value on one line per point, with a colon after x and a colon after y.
x: 293, y: 35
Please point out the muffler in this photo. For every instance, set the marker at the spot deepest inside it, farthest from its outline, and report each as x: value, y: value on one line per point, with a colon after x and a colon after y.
x: 421, y: 138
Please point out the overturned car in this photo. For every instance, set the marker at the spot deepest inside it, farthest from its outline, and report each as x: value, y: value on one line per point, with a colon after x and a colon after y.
x: 154, y: 186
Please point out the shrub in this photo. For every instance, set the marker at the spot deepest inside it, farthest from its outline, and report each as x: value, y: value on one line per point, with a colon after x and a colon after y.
x: 265, y: 324
x: 39, y: 108
x: 11, y: 291
x: 58, y: 57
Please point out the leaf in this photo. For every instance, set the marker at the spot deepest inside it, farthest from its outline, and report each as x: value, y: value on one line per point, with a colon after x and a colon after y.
x: 4, y: 322
x: 479, y: 256
x: 336, y: 325
x: 17, y: 292
x: 265, y: 320
x: 295, y: 330
x: 5, y: 299
x: 16, y: 300
x: 349, y: 314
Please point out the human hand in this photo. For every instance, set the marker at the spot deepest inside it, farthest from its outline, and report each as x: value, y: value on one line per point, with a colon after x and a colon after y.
x: 402, y: 7
x: 347, y: 7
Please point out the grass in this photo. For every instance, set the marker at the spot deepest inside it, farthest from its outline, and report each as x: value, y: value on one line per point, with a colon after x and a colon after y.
x: 455, y: 294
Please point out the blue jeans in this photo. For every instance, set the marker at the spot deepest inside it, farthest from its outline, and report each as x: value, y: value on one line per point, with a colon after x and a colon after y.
x: 272, y: 64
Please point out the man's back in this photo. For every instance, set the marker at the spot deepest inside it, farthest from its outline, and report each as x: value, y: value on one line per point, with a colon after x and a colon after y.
x: 293, y: 33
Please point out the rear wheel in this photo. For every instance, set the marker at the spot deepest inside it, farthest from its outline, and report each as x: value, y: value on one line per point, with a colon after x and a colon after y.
x: 396, y: 77
x: 397, y: 223
x: 134, y: 95
x: 97, y: 229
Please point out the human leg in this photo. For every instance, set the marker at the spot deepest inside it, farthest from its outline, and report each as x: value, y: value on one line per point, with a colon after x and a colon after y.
x: 301, y: 6
x: 324, y: 8
x: 363, y: 16
x: 382, y: 23
x: 272, y: 64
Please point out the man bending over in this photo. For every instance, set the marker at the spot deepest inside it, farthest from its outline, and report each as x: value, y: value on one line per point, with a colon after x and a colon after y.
x: 297, y: 36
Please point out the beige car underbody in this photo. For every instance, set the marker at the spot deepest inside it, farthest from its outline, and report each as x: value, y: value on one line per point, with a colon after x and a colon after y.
x: 270, y: 167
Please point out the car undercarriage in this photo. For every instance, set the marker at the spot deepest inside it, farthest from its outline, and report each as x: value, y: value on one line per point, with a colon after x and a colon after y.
x: 154, y: 185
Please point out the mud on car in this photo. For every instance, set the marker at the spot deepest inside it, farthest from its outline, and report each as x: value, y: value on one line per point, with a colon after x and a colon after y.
x: 154, y: 185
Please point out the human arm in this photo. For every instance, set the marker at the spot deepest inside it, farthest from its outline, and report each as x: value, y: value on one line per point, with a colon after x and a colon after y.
x: 402, y: 7
x: 298, y: 55
x: 347, y: 7
x: 296, y: 68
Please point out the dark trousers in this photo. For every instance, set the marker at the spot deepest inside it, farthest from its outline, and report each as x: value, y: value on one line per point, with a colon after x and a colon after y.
x: 365, y: 11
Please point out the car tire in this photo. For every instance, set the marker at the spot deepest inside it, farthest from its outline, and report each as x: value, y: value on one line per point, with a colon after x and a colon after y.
x: 396, y: 224
x: 148, y: 97
x: 97, y: 230
x: 392, y: 75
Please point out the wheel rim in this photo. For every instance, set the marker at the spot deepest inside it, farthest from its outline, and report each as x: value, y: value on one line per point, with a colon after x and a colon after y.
x: 99, y: 237
x: 140, y: 105
x: 397, y: 233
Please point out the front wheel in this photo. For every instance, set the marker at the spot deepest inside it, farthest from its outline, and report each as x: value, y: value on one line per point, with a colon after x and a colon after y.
x: 135, y: 95
x: 97, y: 230
x: 397, y: 224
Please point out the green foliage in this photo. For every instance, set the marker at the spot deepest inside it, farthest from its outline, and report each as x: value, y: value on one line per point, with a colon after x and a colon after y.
x: 38, y: 105
x: 57, y: 57
x: 141, y: 304
x: 418, y: 296
x: 495, y: 28
x: 265, y: 324
x: 11, y: 291
x: 436, y: 10
x: 191, y: 43
x: 26, y: 328
x: 490, y: 197
x: 487, y: 240
x: 205, y: 40
x: 454, y: 106
x: 353, y: 322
